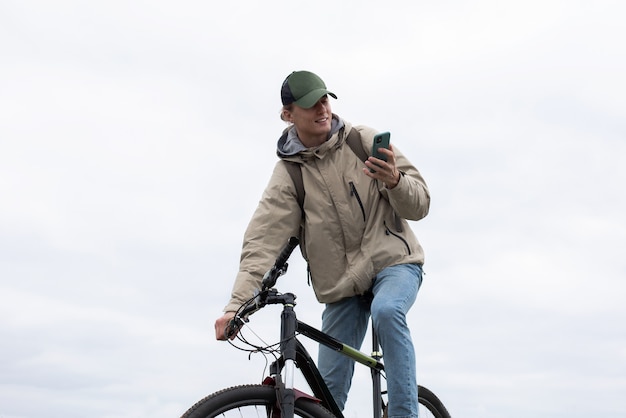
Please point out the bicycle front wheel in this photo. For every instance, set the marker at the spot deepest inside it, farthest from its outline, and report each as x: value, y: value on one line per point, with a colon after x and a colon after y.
x: 430, y: 405
x: 250, y: 401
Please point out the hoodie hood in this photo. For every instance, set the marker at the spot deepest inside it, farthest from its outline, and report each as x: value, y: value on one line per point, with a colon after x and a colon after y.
x: 289, y: 144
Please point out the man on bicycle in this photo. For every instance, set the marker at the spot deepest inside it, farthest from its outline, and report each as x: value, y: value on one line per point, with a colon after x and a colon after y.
x: 353, y: 234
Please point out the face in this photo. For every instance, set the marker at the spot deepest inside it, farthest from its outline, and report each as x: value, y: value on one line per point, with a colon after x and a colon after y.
x: 313, y: 125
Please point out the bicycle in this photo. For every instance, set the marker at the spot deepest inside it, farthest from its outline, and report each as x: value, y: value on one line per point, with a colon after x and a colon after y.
x: 276, y: 397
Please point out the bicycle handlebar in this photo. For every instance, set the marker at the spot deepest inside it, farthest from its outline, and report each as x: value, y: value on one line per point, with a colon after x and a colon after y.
x: 269, y: 280
x: 282, y: 258
x: 280, y: 265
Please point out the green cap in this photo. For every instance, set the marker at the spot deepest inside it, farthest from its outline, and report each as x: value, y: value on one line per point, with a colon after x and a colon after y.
x: 304, y: 89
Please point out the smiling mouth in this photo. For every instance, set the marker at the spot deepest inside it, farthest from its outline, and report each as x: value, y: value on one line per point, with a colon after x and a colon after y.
x: 322, y: 120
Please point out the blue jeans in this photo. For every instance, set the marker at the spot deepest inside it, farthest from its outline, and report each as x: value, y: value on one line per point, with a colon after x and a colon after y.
x: 395, y: 289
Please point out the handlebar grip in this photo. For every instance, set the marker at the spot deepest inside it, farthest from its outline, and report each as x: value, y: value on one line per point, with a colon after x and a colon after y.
x: 292, y: 243
x: 233, y: 327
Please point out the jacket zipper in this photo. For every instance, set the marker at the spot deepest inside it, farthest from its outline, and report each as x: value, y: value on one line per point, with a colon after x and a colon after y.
x: 389, y: 232
x: 354, y: 193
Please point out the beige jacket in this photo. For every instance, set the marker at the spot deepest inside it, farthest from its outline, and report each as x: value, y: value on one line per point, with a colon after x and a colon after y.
x: 349, y: 228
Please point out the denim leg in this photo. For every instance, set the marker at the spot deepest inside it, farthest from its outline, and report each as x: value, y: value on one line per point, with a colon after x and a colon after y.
x: 346, y: 321
x: 395, y: 290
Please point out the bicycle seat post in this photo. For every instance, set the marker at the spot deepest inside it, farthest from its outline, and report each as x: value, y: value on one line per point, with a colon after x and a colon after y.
x: 377, y: 401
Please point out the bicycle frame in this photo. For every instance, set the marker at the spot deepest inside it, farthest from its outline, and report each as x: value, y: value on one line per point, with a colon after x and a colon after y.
x: 294, y: 354
x: 277, y: 396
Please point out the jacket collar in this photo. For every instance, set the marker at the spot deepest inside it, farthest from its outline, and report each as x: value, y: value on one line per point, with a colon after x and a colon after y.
x: 289, y: 144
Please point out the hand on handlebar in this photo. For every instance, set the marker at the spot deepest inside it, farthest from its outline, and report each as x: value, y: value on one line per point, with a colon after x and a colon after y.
x: 223, y: 327
x: 226, y: 327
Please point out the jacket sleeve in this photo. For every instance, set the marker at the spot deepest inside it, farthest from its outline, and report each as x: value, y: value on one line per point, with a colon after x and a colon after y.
x: 276, y: 219
x: 410, y: 198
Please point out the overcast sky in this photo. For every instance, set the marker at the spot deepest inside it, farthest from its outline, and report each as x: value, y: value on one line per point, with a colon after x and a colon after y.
x: 137, y: 137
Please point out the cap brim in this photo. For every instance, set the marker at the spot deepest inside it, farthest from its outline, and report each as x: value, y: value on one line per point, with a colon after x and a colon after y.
x: 307, y: 101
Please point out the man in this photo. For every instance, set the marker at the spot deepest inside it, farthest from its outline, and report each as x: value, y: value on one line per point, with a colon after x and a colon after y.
x: 355, y: 237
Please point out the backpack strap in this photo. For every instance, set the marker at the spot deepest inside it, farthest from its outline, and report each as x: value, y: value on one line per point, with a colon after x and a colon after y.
x: 354, y: 141
x: 295, y: 172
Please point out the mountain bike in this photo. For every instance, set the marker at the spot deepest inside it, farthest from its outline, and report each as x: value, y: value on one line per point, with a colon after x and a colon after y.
x: 276, y: 397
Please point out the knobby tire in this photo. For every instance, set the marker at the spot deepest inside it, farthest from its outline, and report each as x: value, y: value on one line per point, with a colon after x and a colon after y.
x: 250, y: 401
x: 431, y: 402
x: 259, y: 401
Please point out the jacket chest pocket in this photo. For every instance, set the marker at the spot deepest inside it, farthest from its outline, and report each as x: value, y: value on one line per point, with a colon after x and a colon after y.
x: 354, y: 194
x: 361, y: 194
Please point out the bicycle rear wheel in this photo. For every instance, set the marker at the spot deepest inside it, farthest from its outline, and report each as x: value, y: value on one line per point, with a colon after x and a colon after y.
x: 250, y: 401
x: 430, y: 405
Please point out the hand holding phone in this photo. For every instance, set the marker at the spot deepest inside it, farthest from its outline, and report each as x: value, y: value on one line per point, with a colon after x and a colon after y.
x: 381, y: 140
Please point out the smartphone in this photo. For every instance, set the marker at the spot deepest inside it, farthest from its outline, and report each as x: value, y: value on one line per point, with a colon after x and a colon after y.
x: 381, y: 140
